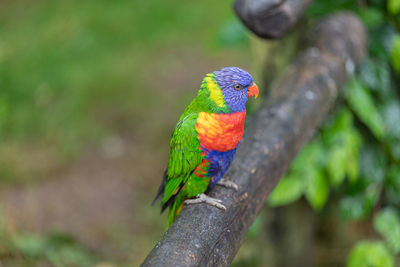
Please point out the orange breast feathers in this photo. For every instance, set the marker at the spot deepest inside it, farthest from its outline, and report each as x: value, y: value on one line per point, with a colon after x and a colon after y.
x: 220, y: 132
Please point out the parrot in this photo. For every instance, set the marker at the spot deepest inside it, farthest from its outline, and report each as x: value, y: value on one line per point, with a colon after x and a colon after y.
x: 205, y: 139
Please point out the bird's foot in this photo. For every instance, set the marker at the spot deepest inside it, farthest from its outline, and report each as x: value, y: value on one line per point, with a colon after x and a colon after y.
x: 203, y: 198
x: 227, y: 183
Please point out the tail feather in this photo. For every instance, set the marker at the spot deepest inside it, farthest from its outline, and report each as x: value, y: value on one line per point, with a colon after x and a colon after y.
x: 173, y: 197
x: 161, y: 188
x: 175, y: 209
x: 175, y: 202
x: 171, y: 200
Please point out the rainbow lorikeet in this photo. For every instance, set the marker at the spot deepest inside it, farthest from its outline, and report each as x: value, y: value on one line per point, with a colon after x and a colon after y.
x: 205, y: 140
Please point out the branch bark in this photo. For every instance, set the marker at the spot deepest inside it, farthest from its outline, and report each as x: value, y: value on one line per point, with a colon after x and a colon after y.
x: 270, y: 18
x: 206, y: 236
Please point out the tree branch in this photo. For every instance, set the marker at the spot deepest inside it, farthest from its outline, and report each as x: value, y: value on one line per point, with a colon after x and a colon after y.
x: 270, y: 18
x: 206, y: 236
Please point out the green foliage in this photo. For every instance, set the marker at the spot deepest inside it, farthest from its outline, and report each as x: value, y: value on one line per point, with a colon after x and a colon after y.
x: 29, y: 245
x: 362, y: 103
x: 255, y: 228
x: 376, y: 253
x: 322, y: 162
x: 317, y: 189
x: 359, y: 206
x: 289, y: 189
x: 370, y: 254
x: 387, y: 223
x: 324, y: 7
x: 391, y: 115
x: 69, y: 70
x: 395, y: 55
x: 392, y: 185
x: 360, y: 140
x: 232, y: 34
x: 373, y: 165
x: 305, y: 178
x: 55, y: 249
x: 393, y: 6
x: 372, y: 17
x: 342, y: 141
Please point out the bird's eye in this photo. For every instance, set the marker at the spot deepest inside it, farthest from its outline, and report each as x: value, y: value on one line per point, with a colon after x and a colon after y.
x: 238, y: 86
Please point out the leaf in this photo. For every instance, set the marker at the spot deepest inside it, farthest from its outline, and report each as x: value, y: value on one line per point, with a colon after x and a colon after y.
x: 308, y: 156
x: 373, y: 164
x: 375, y: 74
x: 391, y: 114
x: 30, y: 245
x: 301, y: 178
x: 368, y: 74
x: 69, y: 256
x: 332, y: 133
x: 359, y: 206
x: 370, y: 254
x: 393, y: 177
x: 393, y: 6
x: 353, y: 157
x: 337, y: 165
x: 387, y: 223
x: 363, y: 105
x: 395, y: 54
x: 289, y: 189
x: 352, y: 208
x: 392, y: 185
x: 384, y: 87
x: 343, y: 142
x: 317, y: 189
x: 372, y: 17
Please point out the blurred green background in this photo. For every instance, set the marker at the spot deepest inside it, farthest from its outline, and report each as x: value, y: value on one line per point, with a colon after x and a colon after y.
x: 89, y: 94
x: 91, y: 90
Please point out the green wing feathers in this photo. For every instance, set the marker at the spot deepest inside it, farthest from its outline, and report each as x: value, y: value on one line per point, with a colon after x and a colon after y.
x: 184, y: 157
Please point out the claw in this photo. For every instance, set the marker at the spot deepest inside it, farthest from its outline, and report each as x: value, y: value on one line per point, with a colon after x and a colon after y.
x: 203, y: 198
x: 227, y: 183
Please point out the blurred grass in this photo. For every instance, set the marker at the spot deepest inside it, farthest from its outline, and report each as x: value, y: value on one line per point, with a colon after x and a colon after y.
x: 69, y: 57
x: 72, y: 71
x: 74, y: 74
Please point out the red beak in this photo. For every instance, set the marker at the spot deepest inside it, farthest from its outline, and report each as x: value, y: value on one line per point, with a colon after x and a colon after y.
x: 252, y: 91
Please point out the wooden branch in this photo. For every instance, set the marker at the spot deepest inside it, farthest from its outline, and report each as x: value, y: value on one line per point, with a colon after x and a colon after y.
x: 206, y: 236
x: 270, y: 18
